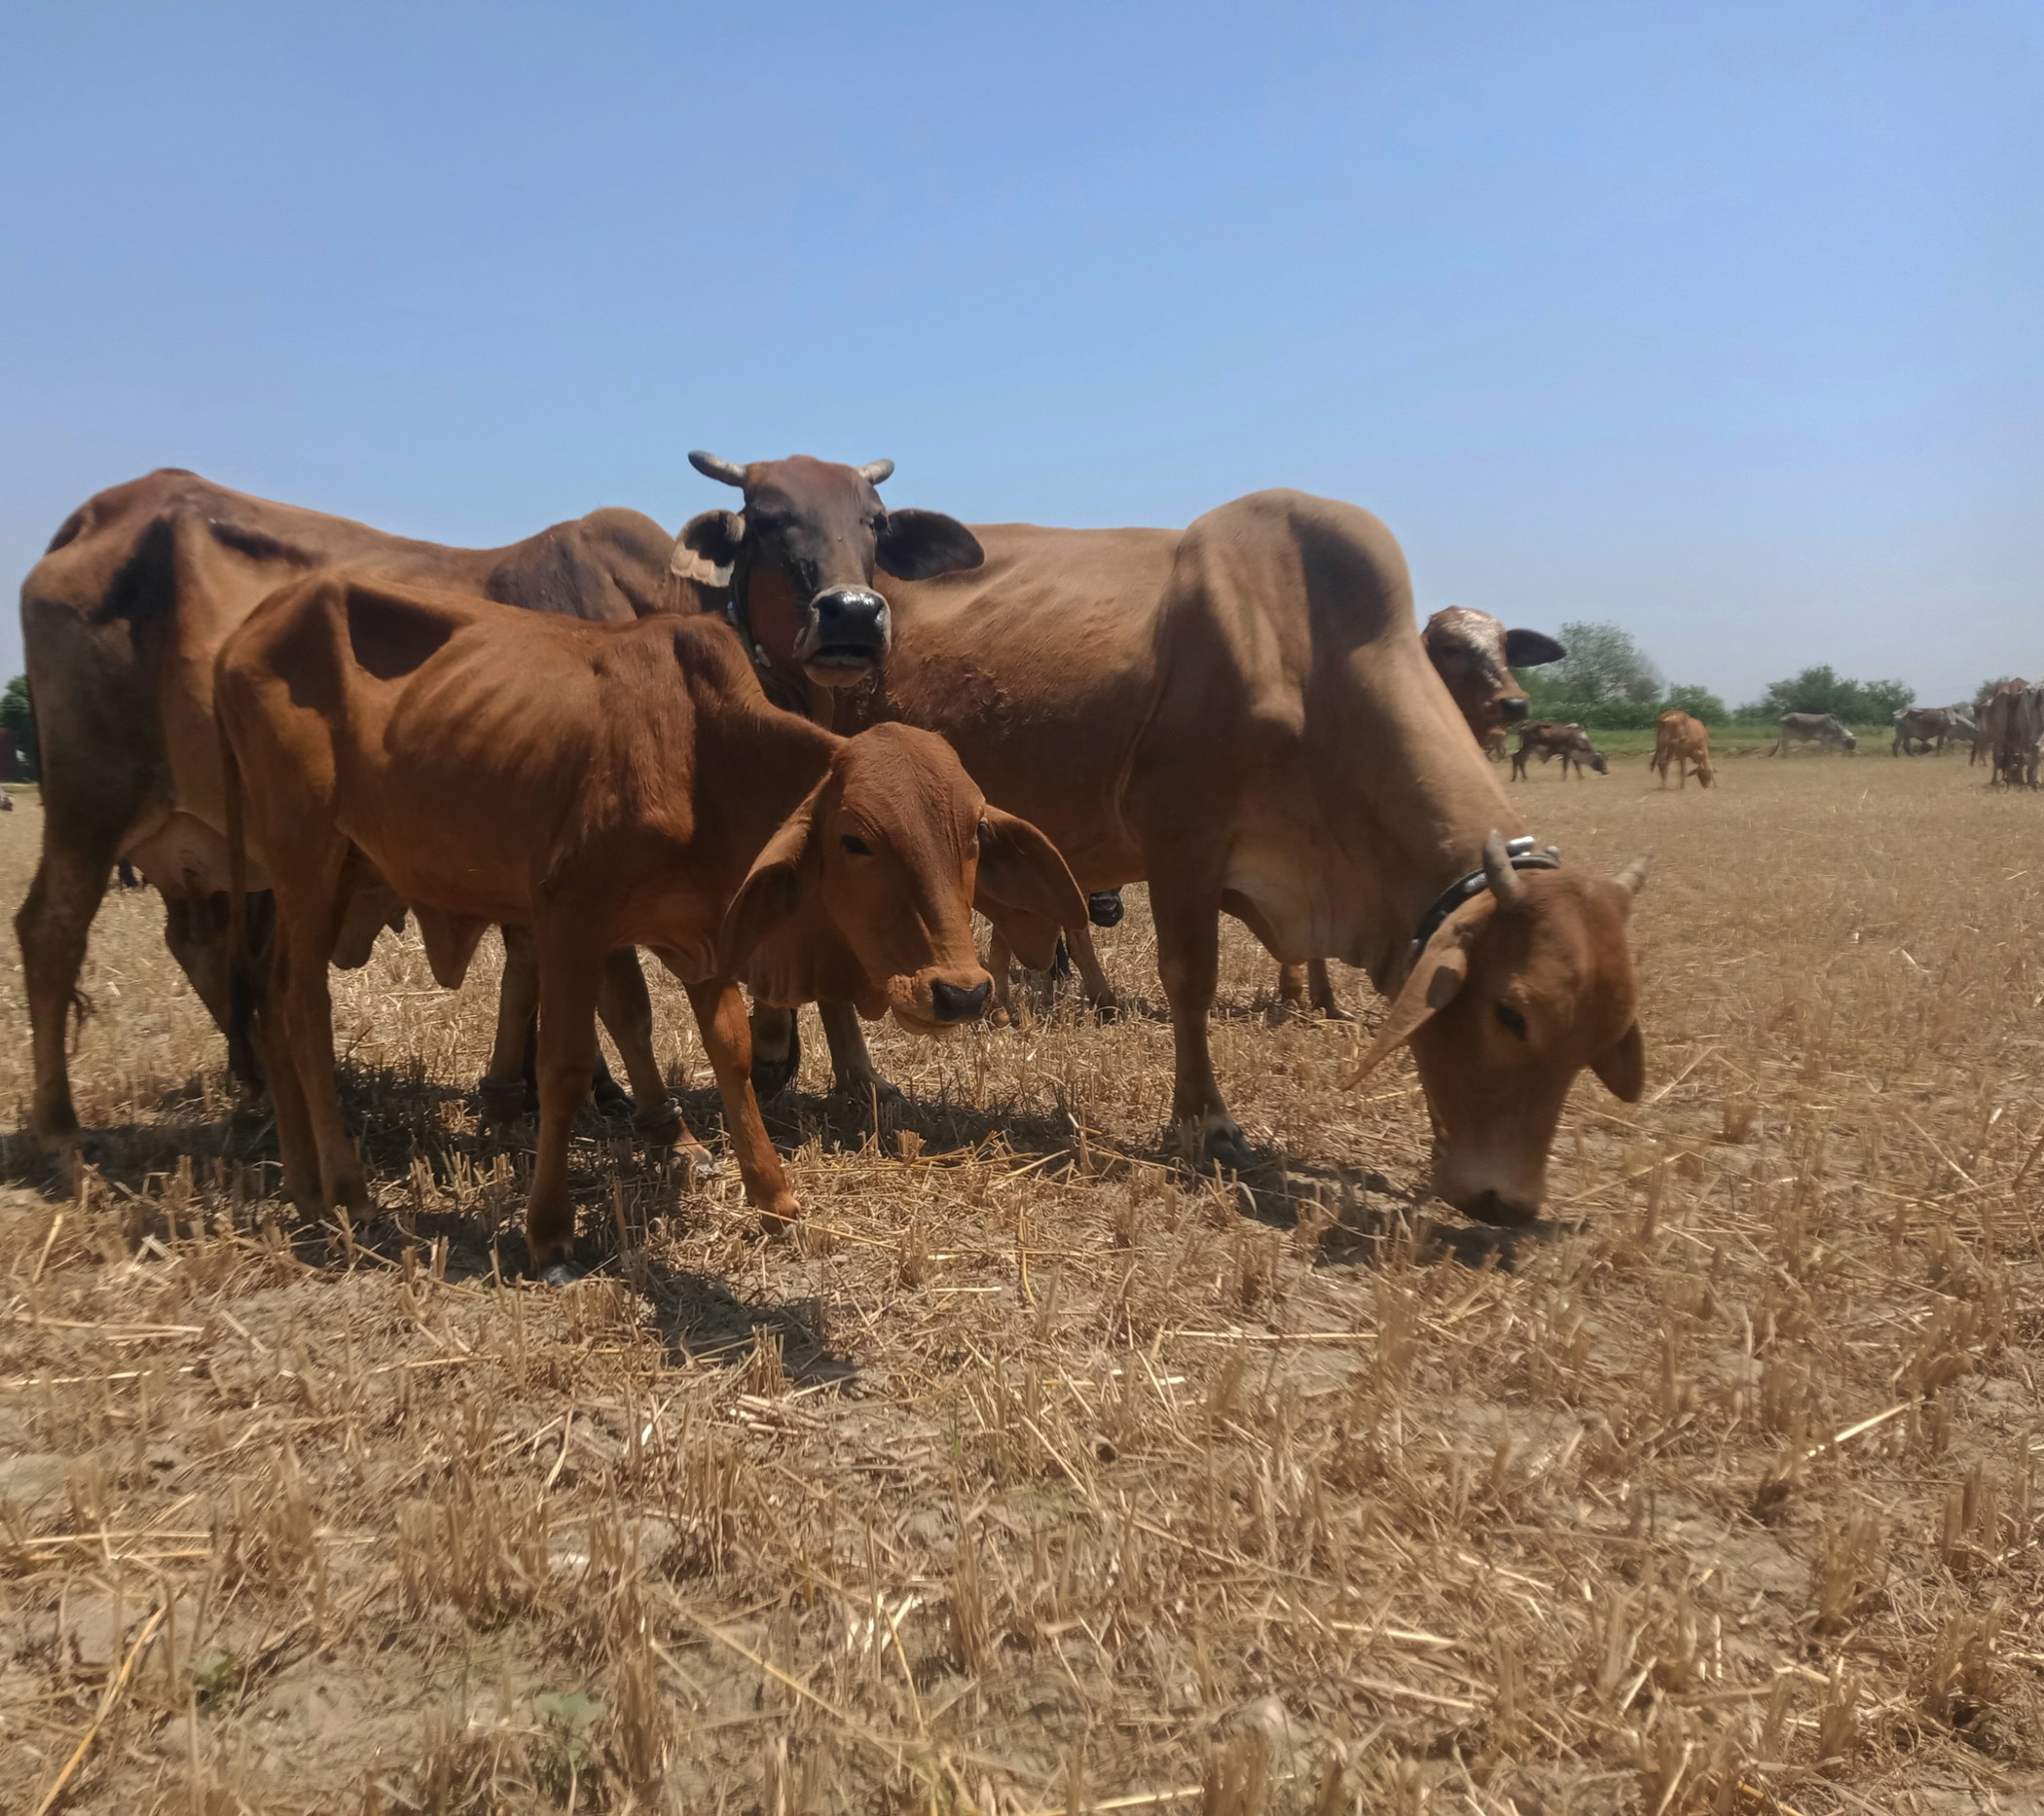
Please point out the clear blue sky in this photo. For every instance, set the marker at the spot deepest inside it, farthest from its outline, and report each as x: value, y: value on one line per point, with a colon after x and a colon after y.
x: 1725, y: 322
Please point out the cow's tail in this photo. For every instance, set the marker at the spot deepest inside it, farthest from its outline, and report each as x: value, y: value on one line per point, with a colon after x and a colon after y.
x: 240, y: 962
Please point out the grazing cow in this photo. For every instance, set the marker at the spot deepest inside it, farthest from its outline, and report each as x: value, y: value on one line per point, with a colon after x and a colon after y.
x: 1928, y: 726
x: 122, y: 620
x: 1681, y: 740
x: 605, y: 786
x: 2013, y: 724
x: 10, y: 755
x: 1255, y: 729
x: 1545, y: 739
x: 1812, y: 728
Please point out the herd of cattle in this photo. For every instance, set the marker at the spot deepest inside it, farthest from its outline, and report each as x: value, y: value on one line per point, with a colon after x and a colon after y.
x: 789, y: 753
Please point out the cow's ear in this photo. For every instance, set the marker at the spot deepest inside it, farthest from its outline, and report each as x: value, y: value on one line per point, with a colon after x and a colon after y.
x: 1529, y: 649
x: 707, y: 547
x: 1020, y: 868
x: 1622, y: 1067
x: 771, y: 891
x: 920, y: 545
x: 1436, y: 980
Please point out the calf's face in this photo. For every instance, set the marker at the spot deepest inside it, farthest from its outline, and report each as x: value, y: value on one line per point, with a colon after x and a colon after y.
x: 801, y: 558
x: 880, y: 865
x: 1473, y: 654
x: 1517, y: 992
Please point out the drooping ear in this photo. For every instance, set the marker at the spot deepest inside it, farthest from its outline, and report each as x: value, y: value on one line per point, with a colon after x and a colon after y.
x: 1435, y: 981
x: 1529, y: 649
x: 1622, y: 1067
x: 920, y: 545
x: 1020, y: 868
x: 707, y: 547
x: 771, y: 891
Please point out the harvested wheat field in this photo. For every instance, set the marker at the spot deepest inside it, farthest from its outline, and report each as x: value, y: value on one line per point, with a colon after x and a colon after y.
x: 1038, y: 1475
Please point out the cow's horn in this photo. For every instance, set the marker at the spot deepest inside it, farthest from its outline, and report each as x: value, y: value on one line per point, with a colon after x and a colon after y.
x: 1633, y: 876
x: 722, y: 471
x: 1504, y: 883
x: 874, y: 471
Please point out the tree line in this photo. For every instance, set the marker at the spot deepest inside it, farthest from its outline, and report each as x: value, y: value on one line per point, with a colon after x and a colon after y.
x: 1607, y: 679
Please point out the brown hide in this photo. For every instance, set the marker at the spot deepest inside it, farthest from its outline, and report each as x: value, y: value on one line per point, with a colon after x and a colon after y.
x: 605, y: 786
x: 1685, y: 742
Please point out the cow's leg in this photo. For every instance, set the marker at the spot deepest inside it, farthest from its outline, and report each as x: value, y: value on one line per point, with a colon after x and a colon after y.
x: 1001, y: 958
x: 1292, y: 987
x: 720, y: 1013
x: 777, y: 1050
x: 850, y: 1060
x: 1187, y: 917
x: 304, y: 939
x: 1092, y: 977
x: 1319, y: 981
x: 627, y: 1013
x: 571, y: 978
x: 297, y: 1148
x: 512, y: 1054
x: 53, y: 921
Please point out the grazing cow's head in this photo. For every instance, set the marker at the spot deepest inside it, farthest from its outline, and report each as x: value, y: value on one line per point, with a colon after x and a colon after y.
x: 1475, y: 655
x: 1597, y: 761
x: 801, y: 556
x: 1518, y: 990
x: 865, y: 893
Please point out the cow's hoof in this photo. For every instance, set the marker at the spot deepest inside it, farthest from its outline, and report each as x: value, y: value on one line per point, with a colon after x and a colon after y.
x: 1106, y: 1009
x: 503, y: 1100
x: 871, y: 1086
x: 698, y: 1166
x: 611, y: 1099
x: 562, y: 1274
x: 1335, y: 1012
x: 1499, y: 1213
x: 659, y: 1125
x: 781, y: 1218
x: 1103, y: 908
x: 1226, y: 1146
x: 771, y: 1075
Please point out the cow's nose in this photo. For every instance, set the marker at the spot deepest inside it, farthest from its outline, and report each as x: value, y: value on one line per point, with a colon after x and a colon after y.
x: 1513, y: 707
x: 953, y: 1004
x: 849, y: 618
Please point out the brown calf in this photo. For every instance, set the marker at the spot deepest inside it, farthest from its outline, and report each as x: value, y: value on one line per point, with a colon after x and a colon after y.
x: 605, y: 786
x: 1681, y: 740
x: 1545, y: 739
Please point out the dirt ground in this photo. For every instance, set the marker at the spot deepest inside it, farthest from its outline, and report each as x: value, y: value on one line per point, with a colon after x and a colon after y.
x: 1037, y: 1474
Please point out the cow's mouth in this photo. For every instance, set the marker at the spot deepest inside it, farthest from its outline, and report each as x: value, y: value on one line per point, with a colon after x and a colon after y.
x: 841, y: 661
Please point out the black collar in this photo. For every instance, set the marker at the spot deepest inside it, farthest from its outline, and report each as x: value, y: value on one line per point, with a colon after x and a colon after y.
x: 1523, y: 857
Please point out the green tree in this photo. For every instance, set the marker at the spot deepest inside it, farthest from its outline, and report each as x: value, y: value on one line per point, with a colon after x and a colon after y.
x: 1822, y: 689
x: 16, y: 716
x: 1604, y: 661
x: 1699, y: 702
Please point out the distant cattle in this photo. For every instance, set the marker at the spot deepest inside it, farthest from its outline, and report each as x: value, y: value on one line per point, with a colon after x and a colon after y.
x: 1685, y: 742
x: 1812, y: 728
x: 1546, y: 739
x: 1928, y: 726
x: 2013, y: 725
x: 605, y: 786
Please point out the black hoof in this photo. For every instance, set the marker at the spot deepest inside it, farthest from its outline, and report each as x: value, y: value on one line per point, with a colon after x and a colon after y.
x: 1103, y: 908
x: 772, y: 1077
x: 660, y: 1124
x: 503, y: 1100
x: 611, y: 1099
x: 562, y: 1274
x: 1228, y: 1148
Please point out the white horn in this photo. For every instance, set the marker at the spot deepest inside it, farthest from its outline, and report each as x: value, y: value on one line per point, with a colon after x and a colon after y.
x: 874, y: 471
x: 724, y: 472
x: 1504, y: 881
x: 1633, y: 876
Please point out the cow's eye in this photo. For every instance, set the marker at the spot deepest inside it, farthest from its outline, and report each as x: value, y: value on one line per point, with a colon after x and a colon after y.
x: 857, y: 846
x: 1511, y: 1021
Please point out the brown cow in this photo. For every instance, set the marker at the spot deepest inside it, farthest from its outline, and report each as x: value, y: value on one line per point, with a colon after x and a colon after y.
x: 1473, y: 654
x: 122, y: 620
x: 606, y: 787
x: 1546, y: 739
x: 1681, y: 740
x: 1244, y: 717
x: 2013, y: 726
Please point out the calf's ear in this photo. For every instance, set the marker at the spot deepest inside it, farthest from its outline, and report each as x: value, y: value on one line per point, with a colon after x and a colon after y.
x: 771, y: 891
x: 1529, y: 649
x: 707, y: 547
x: 1020, y: 868
x: 920, y: 545
x: 1622, y: 1067
x: 1435, y: 981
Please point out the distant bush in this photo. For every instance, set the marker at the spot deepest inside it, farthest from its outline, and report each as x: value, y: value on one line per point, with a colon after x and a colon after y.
x: 1822, y: 689
x: 1699, y: 702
